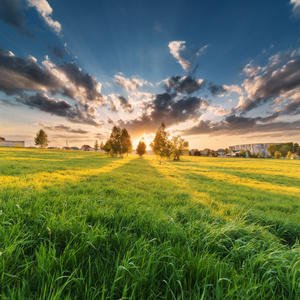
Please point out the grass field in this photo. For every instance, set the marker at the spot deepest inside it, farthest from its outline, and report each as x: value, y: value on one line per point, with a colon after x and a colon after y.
x: 80, y: 225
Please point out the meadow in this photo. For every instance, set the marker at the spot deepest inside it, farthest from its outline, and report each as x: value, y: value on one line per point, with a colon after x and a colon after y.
x: 82, y: 225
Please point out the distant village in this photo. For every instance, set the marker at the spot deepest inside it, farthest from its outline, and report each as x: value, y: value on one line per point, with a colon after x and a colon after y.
x: 243, y: 150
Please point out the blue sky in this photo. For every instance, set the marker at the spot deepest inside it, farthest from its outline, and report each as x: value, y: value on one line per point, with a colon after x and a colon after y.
x: 216, y: 72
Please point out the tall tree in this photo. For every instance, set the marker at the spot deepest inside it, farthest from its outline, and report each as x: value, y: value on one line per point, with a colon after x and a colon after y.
x: 96, y: 145
x: 179, y: 147
x: 101, y: 146
x: 141, y: 148
x: 126, y: 144
x: 161, y: 145
x: 41, y: 139
x: 272, y: 149
x: 107, y: 146
x: 115, y: 140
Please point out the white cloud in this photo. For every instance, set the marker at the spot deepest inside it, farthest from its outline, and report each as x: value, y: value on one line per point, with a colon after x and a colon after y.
x: 296, y: 8
x: 129, y: 84
x: 185, y: 60
x: 45, y: 10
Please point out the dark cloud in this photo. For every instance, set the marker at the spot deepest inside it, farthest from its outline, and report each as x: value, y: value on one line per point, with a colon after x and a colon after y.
x: 113, y: 106
x: 62, y: 127
x: 83, y: 80
x: 12, y: 15
x: 58, y: 52
x: 166, y: 108
x: 233, y: 125
x: 216, y: 89
x: 264, y: 88
x: 125, y: 104
x: 184, y: 84
x: 110, y: 121
x: 18, y: 74
x: 78, y: 113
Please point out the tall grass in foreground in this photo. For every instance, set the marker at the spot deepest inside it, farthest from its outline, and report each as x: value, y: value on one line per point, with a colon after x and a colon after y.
x: 80, y: 225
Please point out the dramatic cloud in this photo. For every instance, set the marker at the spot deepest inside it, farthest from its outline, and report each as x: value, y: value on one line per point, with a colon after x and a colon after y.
x: 120, y: 101
x: 45, y: 10
x: 240, y: 125
x: 62, y: 127
x: 128, y: 84
x: 11, y: 14
x: 125, y: 104
x: 85, y: 83
x: 183, y: 84
x: 166, y: 108
x: 79, y: 113
x: 275, y: 80
x: 185, y: 56
x: 19, y: 75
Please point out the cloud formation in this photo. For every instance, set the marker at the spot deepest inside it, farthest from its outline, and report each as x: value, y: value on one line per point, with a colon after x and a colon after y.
x: 128, y: 84
x: 45, y: 10
x: 79, y: 113
x: 12, y: 15
x: 185, y: 57
x: 184, y: 84
x: 280, y: 79
x: 62, y: 127
x: 296, y: 7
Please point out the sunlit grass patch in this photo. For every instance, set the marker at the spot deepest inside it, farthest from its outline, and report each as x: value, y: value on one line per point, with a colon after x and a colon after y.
x: 88, y: 226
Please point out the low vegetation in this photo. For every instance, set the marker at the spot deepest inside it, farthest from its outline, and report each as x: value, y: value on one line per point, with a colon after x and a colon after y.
x: 82, y: 225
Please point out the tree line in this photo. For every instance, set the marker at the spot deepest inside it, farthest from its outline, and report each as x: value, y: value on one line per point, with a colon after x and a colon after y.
x: 284, y: 150
x: 119, y: 143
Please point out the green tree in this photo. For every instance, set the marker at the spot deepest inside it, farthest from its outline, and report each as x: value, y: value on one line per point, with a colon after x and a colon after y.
x: 107, y: 146
x: 179, y: 147
x: 277, y: 154
x: 101, y: 146
x: 125, y: 142
x: 298, y: 150
x: 295, y: 147
x: 289, y: 155
x: 284, y: 149
x: 161, y: 145
x: 41, y: 139
x: 243, y: 153
x: 115, y: 141
x: 272, y: 149
x: 141, y: 148
x: 96, y: 146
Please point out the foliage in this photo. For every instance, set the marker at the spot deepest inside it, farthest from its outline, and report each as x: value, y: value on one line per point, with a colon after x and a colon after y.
x: 197, y: 153
x: 271, y: 149
x: 88, y: 227
x: 179, y: 147
x: 119, y: 142
x: 277, y: 154
x: 289, y: 155
x: 41, y: 139
x: 161, y: 145
x: 107, y: 147
x: 96, y: 145
x: 243, y: 153
x: 126, y: 144
x: 141, y: 148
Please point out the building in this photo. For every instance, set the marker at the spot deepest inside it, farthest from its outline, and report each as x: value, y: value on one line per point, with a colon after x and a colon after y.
x: 253, y: 148
x: 5, y: 143
x: 86, y: 148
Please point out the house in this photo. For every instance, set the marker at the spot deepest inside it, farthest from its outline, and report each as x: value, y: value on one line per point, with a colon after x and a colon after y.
x: 75, y: 148
x: 66, y: 148
x: 221, y: 152
x: 85, y: 148
x: 5, y: 143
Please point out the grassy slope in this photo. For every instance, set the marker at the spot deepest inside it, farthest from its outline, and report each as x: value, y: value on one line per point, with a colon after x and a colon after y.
x: 78, y: 225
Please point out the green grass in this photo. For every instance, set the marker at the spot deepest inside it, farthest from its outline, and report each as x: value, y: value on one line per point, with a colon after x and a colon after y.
x: 78, y: 225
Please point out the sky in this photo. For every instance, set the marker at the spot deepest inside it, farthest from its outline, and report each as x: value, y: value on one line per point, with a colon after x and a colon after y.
x: 218, y: 73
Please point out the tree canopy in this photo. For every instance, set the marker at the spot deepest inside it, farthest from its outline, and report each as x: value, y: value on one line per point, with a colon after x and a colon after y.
x: 179, y: 147
x: 141, y: 148
x: 41, y: 139
x: 161, y: 145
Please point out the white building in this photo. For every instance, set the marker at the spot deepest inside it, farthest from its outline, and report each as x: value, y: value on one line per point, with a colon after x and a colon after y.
x: 261, y: 147
x: 5, y: 143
